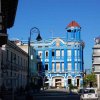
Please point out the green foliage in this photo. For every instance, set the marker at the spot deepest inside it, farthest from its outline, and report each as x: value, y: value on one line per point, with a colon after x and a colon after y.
x: 71, y: 86
x: 90, y: 78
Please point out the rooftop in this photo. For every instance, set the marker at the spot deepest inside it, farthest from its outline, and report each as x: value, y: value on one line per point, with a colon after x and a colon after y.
x: 73, y: 24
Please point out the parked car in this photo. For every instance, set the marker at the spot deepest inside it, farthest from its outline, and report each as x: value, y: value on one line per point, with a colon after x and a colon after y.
x: 90, y: 94
x: 81, y: 91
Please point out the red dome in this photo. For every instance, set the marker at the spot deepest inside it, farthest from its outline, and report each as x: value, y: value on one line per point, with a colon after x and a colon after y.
x: 73, y: 24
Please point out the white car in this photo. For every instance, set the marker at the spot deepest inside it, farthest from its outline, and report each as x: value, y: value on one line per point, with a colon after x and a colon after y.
x: 89, y: 94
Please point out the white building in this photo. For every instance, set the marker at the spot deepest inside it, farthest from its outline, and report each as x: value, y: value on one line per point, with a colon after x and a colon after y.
x: 14, y: 63
x: 96, y: 60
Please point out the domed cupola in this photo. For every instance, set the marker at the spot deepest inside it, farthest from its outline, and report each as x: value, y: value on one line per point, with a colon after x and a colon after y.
x: 73, y: 31
x: 73, y: 24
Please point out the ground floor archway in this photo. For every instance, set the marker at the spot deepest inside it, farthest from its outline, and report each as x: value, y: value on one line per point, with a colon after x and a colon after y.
x: 77, y: 81
x: 58, y: 81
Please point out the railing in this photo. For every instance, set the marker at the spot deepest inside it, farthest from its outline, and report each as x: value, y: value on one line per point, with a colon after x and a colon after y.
x: 67, y: 71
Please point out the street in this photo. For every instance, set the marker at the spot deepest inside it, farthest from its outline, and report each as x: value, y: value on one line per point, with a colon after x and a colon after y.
x: 51, y: 94
x: 55, y: 94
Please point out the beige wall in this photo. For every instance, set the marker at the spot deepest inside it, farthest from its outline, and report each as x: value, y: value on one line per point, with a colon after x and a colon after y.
x: 98, y: 81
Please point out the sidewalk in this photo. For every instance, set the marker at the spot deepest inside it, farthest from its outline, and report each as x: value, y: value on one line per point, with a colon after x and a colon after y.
x: 57, y: 89
x: 20, y: 97
x: 98, y: 93
x: 9, y: 97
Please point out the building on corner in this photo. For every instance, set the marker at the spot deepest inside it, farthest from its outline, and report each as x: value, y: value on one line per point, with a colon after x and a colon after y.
x: 60, y: 61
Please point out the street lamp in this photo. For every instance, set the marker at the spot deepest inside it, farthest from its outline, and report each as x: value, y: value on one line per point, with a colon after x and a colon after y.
x: 32, y: 30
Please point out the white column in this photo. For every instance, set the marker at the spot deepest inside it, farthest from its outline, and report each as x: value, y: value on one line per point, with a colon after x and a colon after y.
x: 50, y: 83
x: 98, y: 80
x: 73, y: 82
x: 65, y: 82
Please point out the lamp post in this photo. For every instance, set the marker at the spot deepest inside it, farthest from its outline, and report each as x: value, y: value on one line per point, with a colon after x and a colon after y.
x: 32, y: 30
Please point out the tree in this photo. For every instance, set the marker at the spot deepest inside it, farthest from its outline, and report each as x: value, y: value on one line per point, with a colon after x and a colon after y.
x: 90, y: 80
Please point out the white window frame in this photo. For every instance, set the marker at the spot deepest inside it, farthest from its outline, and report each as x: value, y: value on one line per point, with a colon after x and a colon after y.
x: 62, y: 53
x: 53, y: 67
x: 57, y: 53
x: 40, y: 54
x: 62, y: 67
x: 69, y: 66
x: 75, y: 53
x: 75, y: 66
x: 57, y: 67
x: 69, y: 53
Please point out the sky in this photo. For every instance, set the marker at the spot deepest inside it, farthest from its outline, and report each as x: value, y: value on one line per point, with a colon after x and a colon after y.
x: 52, y: 16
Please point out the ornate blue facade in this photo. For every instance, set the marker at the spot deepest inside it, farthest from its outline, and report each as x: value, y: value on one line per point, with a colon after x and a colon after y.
x: 60, y: 61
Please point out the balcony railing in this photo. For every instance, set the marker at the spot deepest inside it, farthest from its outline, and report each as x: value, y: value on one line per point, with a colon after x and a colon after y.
x: 67, y: 71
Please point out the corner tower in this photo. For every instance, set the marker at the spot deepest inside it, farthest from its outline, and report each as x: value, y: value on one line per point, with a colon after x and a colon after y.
x: 75, y: 61
x: 73, y: 31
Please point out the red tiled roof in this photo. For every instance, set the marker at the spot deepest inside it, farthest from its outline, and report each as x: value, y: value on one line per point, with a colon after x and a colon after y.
x: 73, y: 24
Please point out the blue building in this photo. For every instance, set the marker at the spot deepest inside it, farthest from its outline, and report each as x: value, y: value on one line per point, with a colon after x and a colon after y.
x: 60, y: 61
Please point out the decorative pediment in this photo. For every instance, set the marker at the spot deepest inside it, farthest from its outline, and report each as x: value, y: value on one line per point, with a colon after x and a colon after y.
x: 57, y: 42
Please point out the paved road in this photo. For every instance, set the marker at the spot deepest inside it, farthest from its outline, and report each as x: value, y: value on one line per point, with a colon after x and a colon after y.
x: 52, y: 94
x: 55, y: 95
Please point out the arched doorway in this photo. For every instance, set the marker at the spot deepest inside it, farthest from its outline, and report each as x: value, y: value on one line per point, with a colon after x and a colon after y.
x: 78, y: 81
x: 69, y: 80
x: 58, y: 81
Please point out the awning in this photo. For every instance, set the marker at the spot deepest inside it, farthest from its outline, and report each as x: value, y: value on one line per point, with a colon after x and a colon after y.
x: 47, y: 81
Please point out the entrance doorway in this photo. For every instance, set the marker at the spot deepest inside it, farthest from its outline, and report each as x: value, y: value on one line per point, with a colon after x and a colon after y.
x: 58, y: 83
x: 78, y: 81
x: 69, y: 81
